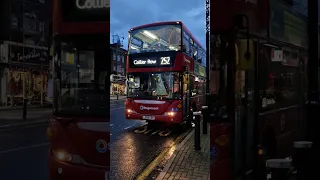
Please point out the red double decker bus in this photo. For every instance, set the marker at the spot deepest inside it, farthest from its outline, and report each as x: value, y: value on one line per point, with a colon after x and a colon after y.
x: 79, y: 132
x: 165, y: 73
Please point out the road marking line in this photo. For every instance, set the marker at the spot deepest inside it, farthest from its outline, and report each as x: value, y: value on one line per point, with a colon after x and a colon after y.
x: 165, y: 133
x: 9, y: 127
x: 155, y: 132
x: 127, y: 127
x: 116, y: 108
x: 23, y: 148
x: 146, y: 172
x: 148, y: 131
x: 140, y: 130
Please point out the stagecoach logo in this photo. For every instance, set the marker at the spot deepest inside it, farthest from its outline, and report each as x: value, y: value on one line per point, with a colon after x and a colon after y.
x: 101, y: 146
x: 148, y: 108
x: 92, y: 4
x: 145, y: 62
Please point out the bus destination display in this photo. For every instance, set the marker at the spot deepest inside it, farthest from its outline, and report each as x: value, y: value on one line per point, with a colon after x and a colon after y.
x: 85, y: 10
x: 162, y: 61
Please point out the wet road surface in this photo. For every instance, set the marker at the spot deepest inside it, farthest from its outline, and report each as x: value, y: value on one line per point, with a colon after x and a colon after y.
x: 24, y: 153
x: 118, y: 123
x: 134, y: 145
x: 24, y: 150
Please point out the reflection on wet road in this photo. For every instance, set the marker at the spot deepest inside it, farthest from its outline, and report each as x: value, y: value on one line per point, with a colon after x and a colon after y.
x: 134, y: 145
x: 118, y: 123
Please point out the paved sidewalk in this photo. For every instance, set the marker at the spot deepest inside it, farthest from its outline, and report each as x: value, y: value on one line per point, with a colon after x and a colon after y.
x: 187, y: 163
x: 6, y: 108
x: 13, y: 117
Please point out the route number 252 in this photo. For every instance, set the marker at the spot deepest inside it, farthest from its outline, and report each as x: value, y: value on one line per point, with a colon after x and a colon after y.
x: 165, y: 60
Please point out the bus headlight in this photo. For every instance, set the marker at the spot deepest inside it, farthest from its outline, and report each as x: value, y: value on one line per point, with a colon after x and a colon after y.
x: 130, y: 111
x: 170, y: 114
x: 62, y: 155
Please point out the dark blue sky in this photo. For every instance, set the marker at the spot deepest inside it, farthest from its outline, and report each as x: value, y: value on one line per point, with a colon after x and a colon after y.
x: 126, y: 14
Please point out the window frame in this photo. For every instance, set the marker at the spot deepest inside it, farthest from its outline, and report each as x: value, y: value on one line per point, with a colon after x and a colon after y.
x: 282, y: 85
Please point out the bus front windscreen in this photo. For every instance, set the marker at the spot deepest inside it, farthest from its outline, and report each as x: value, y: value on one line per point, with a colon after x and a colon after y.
x: 153, y: 85
x: 155, y: 39
x: 81, y: 89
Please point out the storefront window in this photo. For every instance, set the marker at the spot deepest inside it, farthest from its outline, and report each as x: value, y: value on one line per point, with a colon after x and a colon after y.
x: 29, y: 83
x: 278, y: 79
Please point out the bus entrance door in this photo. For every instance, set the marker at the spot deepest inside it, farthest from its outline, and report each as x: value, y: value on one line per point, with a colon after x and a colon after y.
x: 186, y: 97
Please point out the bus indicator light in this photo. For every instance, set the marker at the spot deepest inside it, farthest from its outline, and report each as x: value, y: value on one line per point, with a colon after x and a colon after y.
x: 174, y: 109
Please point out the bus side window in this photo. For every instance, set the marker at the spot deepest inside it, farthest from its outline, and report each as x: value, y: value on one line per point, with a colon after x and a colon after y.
x: 185, y: 84
x: 186, y: 45
x: 192, y: 83
x: 200, y: 88
x: 196, y: 87
x: 184, y: 49
x: 195, y: 51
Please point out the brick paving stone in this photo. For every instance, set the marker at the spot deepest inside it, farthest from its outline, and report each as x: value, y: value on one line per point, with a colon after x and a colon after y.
x: 191, y: 164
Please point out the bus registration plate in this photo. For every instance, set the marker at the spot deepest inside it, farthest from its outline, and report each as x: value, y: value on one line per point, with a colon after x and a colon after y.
x: 148, y: 117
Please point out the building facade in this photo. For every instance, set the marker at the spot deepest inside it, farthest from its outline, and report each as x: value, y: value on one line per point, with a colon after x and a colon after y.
x: 24, y: 64
x: 118, y: 69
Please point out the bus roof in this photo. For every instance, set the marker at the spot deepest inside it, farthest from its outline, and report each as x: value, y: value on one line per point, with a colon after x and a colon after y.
x: 168, y: 23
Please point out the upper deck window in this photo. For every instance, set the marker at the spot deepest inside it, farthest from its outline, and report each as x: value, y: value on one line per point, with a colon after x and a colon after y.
x: 155, y: 39
x: 186, y: 43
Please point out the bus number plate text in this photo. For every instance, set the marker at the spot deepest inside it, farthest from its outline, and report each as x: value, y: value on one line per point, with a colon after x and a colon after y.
x: 148, y: 117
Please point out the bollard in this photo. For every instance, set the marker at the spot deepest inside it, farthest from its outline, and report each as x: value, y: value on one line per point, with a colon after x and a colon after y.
x: 24, y: 112
x: 197, y: 131
x: 117, y: 96
x: 300, y: 158
x: 279, y: 168
x: 205, y: 112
